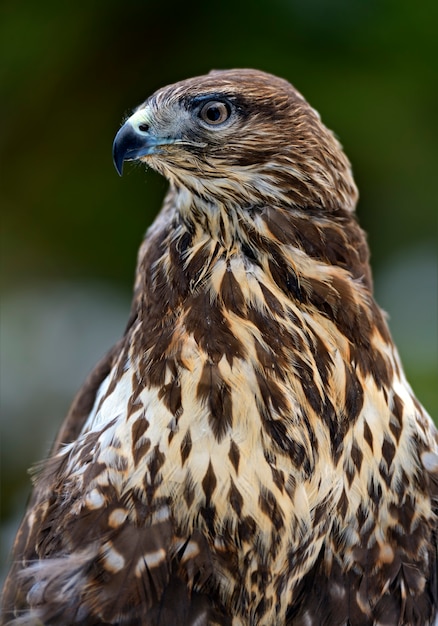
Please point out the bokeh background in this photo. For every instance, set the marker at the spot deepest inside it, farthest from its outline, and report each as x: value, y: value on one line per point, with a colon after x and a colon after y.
x: 71, y: 227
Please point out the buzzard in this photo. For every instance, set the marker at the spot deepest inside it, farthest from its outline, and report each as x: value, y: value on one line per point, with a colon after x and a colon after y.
x: 250, y: 452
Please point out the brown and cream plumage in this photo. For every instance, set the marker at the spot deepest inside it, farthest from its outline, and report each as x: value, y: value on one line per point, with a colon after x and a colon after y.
x: 250, y: 452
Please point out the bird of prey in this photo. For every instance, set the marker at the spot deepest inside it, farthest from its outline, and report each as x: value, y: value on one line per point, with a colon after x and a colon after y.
x: 250, y: 452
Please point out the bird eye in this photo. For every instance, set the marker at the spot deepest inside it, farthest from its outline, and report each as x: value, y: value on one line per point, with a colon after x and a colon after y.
x: 214, y: 112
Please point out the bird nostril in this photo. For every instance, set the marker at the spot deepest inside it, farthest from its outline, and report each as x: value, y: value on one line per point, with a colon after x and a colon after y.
x: 144, y: 128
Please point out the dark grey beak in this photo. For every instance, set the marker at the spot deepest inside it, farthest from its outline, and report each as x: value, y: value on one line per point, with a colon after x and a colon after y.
x: 130, y: 143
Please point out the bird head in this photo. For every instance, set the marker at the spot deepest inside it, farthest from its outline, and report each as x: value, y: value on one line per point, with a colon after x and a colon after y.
x: 242, y: 135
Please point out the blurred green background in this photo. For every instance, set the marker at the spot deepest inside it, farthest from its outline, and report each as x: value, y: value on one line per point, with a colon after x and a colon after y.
x: 71, y: 227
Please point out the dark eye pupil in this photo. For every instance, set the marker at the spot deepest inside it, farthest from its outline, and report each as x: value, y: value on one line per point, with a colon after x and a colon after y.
x: 213, y: 114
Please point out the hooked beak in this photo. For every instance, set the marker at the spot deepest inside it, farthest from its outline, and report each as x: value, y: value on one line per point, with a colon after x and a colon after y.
x: 132, y: 143
x: 135, y: 139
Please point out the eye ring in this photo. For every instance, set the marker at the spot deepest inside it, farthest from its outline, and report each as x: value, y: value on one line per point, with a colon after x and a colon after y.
x: 215, y: 112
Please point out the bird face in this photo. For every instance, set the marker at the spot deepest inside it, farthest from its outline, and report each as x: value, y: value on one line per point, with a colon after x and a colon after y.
x: 171, y: 130
x: 241, y: 129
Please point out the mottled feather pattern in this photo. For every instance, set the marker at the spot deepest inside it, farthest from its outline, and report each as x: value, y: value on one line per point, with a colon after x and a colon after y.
x: 250, y: 453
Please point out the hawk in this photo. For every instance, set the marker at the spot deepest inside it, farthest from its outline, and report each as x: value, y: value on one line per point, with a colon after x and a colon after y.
x: 250, y: 452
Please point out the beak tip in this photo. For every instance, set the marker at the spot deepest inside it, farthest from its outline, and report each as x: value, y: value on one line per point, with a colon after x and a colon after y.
x: 119, y: 167
x: 118, y: 156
